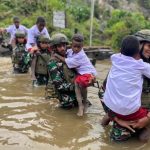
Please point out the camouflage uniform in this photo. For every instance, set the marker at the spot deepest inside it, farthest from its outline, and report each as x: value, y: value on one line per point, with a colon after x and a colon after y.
x: 40, y: 60
x: 119, y: 133
x: 144, y: 37
x: 146, y: 93
x: 61, y: 77
x: 62, y: 85
x: 20, y: 58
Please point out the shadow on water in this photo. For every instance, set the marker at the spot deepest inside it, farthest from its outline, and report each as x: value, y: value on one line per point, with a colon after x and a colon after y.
x: 29, y: 122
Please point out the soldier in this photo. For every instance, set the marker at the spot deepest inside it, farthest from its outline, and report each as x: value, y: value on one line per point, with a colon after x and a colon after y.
x: 20, y: 57
x: 40, y: 59
x: 12, y: 29
x: 34, y: 32
x: 85, y: 71
x: 59, y: 74
x: 121, y: 126
x: 144, y: 38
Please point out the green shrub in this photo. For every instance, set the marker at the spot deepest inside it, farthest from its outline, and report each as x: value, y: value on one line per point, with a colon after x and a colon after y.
x: 123, y: 23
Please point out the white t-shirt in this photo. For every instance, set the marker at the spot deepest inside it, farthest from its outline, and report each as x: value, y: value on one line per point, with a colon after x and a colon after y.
x: 124, y: 84
x: 33, y: 33
x: 12, y: 30
x: 80, y: 62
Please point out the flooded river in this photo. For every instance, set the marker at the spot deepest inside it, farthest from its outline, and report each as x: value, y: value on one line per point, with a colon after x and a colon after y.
x: 29, y: 122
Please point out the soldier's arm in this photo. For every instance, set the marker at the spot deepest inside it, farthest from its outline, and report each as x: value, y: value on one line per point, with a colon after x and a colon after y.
x: 57, y: 78
x: 146, y: 70
x: 60, y: 57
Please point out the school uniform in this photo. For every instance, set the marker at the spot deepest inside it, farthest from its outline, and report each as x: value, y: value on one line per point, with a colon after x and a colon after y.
x: 124, y: 87
x: 33, y: 34
x: 12, y: 30
x: 81, y: 63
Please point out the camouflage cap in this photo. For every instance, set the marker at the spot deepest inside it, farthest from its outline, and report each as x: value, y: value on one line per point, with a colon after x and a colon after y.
x: 20, y: 34
x: 59, y: 38
x: 143, y: 35
x: 43, y: 38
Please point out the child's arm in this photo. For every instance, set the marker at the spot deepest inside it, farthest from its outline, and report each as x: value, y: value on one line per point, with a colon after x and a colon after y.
x: 71, y: 62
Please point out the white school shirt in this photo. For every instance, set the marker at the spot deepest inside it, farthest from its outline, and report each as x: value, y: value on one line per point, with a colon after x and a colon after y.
x: 80, y: 62
x: 33, y: 33
x: 12, y: 30
x: 124, y: 84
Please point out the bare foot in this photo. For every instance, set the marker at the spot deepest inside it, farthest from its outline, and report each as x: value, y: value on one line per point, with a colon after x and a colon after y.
x: 80, y: 111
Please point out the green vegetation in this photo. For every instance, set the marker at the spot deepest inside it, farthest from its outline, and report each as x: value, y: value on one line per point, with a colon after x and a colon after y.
x: 108, y: 27
x: 122, y: 23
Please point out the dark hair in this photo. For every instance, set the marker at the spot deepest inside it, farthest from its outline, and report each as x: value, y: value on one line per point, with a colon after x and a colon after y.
x: 15, y: 18
x: 41, y: 20
x: 78, y: 37
x: 130, y: 46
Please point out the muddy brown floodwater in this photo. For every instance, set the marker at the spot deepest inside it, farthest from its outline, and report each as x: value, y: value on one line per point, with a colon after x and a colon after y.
x: 29, y: 122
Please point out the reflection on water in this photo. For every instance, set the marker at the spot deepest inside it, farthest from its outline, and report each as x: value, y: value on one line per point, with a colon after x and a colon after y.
x: 29, y: 122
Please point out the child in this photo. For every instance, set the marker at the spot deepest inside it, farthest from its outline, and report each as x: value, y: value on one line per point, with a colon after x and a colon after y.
x: 122, y: 97
x: 40, y: 60
x: 77, y: 59
x: 34, y: 32
x: 12, y: 29
x: 20, y: 58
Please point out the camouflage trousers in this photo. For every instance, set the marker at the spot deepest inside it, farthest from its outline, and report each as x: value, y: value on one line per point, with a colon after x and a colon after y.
x: 50, y: 91
x: 66, y: 99
x: 41, y: 79
x: 21, y: 65
x: 119, y: 133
